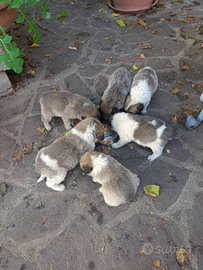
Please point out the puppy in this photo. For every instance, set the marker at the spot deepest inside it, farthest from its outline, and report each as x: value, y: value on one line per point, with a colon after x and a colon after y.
x: 119, y: 185
x: 66, y: 105
x: 115, y: 94
x: 144, y: 130
x: 53, y: 162
x: 143, y: 87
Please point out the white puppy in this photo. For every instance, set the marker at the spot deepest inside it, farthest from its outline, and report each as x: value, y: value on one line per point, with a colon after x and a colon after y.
x: 144, y: 130
x: 119, y: 185
x: 143, y: 87
x: 53, y: 162
x: 115, y: 94
x: 66, y: 105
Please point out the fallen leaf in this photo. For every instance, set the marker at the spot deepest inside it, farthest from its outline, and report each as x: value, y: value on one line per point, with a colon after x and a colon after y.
x: 191, y: 16
x: 176, y: 90
x: 31, y: 72
x: 189, y: 20
x: 65, y: 132
x: 63, y: 22
x: 142, y: 22
x: 105, y: 38
x: 182, y: 20
x: 156, y: 263
x: 162, y: 49
x: 83, y: 41
x: 48, y: 55
x: 185, y: 94
x: 151, y: 212
x: 178, y: 81
x: 40, y: 18
x: 198, y: 27
x: 168, y: 151
x: 143, y: 251
x: 86, y: 23
x: 74, y: 34
x: 174, y: 118
x: 187, y: 112
x: 135, y: 67
x: 121, y: 23
x: 34, y: 45
x: 106, y: 149
x: 101, y: 9
x: 106, y: 12
x: 43, y: 222
x: 152, y: 190
x: 41, y: 129
x: 147, y: 46
x: 85, y: 203
x: 22, y: 152
x: 102, y: 249
x: 115, y: 14
x: 161, y: 3
x: 17, y: 26
x: 154, y: 32
x: 180, y: 256
x: 142, y: 56
x: 200, y: 32
x: 186, y: 67
x: 61, y: 14
x: 89, y: 6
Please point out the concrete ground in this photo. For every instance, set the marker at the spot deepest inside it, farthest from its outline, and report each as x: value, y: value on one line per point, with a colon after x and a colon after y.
x: 44, y: 229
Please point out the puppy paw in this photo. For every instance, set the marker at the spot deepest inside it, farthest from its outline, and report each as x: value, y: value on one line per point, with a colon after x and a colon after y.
x: 61, y: 187
x: 151, y: 157
x: 114, y: 145
x: 42, y: 177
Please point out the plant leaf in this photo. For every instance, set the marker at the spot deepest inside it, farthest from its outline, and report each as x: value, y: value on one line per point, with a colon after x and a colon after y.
x: 121, y: 23
x: 182, y: 20
x: 176, y: 90
x: 152, y: 190
x: 61, y: 14
x: 115, y: 14
x: 135, y: 67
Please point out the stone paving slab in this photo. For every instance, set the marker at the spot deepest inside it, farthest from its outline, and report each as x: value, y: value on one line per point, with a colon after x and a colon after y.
x: 43, y: 229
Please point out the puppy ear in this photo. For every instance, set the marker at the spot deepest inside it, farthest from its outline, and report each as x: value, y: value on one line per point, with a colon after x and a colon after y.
x: 140, y: 107
x: 114, y: 110
x: 87, y: 169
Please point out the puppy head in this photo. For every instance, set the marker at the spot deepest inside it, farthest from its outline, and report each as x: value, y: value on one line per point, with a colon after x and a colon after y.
x: 90, y: 111
x: 136, y: 108
x: 86, y: 162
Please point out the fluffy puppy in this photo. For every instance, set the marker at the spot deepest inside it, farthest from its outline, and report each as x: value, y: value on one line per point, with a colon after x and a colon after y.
x: 66, y: 105
x: 53, y: 162
x: 115, y: 94
x: 143, y: 87
x: 119, y: 185
x: 144, y: 130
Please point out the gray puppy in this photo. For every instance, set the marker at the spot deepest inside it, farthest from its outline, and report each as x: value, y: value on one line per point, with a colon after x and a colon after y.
x: 144, y: 130
x: 119, y: 185
x: 53, y: 162
x: 115, y: 94
x: 143, y: 87
x: 66, y: 105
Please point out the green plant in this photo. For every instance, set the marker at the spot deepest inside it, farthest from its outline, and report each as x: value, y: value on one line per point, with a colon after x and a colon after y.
x: 12, y: 57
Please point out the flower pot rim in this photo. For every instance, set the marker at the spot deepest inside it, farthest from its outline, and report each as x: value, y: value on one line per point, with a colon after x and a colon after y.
x: 132, y: 11
x: 4, y: 5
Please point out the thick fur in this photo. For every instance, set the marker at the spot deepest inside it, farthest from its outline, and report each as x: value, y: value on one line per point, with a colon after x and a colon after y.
x: 115, y: 94
x: 119, y: 185
x: 66, y: 105
x: 143, y: 87
x: 53, y: 162
x: 144, y: 130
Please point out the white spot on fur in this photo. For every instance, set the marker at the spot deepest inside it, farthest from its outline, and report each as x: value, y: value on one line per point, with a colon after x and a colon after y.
x: 160, y: 130
x: 98, y: 163
x: 87, y: 136
x: 52, y: 163
x: 153, y: 122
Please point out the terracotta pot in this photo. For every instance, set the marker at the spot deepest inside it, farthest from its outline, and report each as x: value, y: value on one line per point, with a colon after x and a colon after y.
x: 7, y: 16
x: 132, y: 6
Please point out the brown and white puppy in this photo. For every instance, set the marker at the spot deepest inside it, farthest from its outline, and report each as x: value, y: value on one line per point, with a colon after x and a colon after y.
x: 53, y: 162
x: 115, y: 94
x: 144, y: 130
x: 66, y: 105
x: 119, y: 185
x: 143, y: 87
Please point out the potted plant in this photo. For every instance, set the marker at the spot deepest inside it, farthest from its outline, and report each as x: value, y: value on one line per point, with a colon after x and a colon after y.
x: 131, y: 6
x: 6, y: 16
x: 12, y: 55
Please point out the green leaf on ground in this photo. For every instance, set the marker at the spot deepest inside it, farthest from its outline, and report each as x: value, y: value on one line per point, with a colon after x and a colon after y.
x: 182, y: 20
x: 121, y: 23
x: 176, y: 90
x: 135, y: 67
x: 152, y: 190
x: 61, y: 14
x: 65, y: 132
x: 115, y: 14
x: 83, y: 41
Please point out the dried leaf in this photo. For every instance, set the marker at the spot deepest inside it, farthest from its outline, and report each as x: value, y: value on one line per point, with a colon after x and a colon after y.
x: 48, y: 55
x: 186, y: 67
x: 154, y: 32
x: 40, y: 18
x: 156, y: 263
x: 174, y: 118
x: 142, y: 56
x: 182, y: 20
x: 61, y: 14
x: 115, y: 14
x: 178, y: 81
x: 191, y: 16
x: 135, y: 67
x: 168, y: 151
x: 22, y: 152
x: 43, y: 222
x: 162, y: 49
x: 34, y: 45
x: 17, y: 26
x: 101, y: 9
x: 143, y: 251
x: 63, y: 22
x: 142, y: 22
x: 176, y: 90
x: 105, y: 38
x: 180, y: 256
x: 83, y: 41
x: 72, y: 48
x: 121, y: 23
x: 89, y: 6
x: 41, y: 129
x: 102, y: 249
x: 147, y: 46
x: 152, y: 190
x: 189, y: 20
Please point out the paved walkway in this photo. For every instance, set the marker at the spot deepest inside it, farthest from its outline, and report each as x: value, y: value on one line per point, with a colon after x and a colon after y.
x: 44, y: 229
